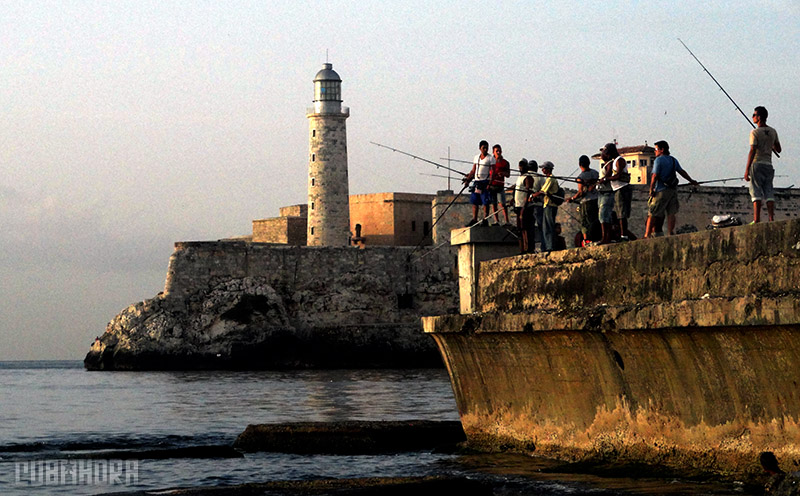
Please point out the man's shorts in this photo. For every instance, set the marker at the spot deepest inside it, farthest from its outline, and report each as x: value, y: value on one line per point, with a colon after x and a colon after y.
x: 588, y: 215
x: 528, y: 222
x: 605, y: 205
x: 761, y: 177
x: 622, y: 202
x: 498, y: 194
x: 664, y: 203
x: 481, y: 194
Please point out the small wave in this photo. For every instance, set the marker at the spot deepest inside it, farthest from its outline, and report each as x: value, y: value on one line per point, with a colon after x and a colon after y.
x: 41, y: 364
x: 81, y: 445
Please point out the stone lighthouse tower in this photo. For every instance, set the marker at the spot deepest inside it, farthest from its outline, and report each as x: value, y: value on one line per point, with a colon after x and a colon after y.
x: 328, y: 192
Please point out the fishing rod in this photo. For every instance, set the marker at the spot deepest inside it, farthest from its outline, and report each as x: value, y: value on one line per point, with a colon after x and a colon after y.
x: 433, y: 175
x: 512, y: 172
x: 749, y: 120
x: 714, y: 181
x: 418, y: 158
x: 720, y: 180
x: 516, y: 173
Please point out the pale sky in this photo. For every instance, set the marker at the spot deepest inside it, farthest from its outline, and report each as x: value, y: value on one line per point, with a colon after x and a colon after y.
x: 129, y: 125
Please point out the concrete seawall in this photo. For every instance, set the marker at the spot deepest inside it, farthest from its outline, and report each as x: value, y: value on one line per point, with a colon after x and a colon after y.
x: 681, y: 351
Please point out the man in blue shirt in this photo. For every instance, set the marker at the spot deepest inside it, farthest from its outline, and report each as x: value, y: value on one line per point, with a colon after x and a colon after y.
x: 664, y: 191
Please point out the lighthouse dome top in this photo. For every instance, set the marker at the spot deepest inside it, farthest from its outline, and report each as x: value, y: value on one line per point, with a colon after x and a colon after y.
x: 327, y: 74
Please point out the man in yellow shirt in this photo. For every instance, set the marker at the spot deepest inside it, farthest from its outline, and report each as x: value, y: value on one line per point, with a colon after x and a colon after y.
x: 549, y: 189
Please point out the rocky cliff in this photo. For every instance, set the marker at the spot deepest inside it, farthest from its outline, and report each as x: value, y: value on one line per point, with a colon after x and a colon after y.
x: 248, y: 305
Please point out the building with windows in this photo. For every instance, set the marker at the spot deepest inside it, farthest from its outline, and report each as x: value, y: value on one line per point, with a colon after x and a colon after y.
x: 640, y: 161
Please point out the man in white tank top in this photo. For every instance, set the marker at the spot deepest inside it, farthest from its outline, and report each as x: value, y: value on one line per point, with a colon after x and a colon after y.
x: 619, y: 179
x: 526, y: 222
x: 481, y: 167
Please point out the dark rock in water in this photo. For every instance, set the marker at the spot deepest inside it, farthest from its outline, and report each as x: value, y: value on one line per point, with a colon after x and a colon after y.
x: 393, y: 486
x: 354, y: 437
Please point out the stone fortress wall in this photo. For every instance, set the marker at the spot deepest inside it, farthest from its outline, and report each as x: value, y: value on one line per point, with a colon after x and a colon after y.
x: 236, y: 304
x: 367, y: 286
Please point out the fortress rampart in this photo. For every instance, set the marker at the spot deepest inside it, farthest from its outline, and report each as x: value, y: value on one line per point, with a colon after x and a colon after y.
x: 243, y: 305
x: 397, y: 273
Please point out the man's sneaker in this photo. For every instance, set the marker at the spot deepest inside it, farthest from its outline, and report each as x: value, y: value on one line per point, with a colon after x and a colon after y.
x: 588, y: 242
x: 484, y: 222
x: 624, y: 238
x: 471, y: 223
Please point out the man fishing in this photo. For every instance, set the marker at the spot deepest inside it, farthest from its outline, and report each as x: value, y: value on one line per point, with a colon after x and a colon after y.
x: 619, y: 178
x: 605, y: 198
x: 663, y: 199
x: 588, y: 197
x: 497, y: 183
x: 481, y: 167
x: 759, y: 171
x: 549, y: 189
x: 526, y: 221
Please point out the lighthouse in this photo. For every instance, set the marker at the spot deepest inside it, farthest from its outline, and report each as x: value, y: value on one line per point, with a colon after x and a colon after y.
x: 328, y: 191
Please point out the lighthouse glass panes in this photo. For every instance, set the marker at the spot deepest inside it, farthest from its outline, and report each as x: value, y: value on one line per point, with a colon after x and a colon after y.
x: 328, y: 90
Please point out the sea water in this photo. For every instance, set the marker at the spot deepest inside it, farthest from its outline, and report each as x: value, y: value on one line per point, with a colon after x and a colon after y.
x: 54, y: 415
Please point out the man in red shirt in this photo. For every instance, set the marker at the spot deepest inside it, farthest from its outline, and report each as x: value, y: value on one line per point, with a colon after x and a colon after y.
x: 497, y: 182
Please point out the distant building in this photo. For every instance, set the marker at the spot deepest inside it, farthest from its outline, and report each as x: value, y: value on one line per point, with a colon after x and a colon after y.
x: 391, y: 219
x: 640, y: 161
x: 288, y: 229
x: 376, y: 219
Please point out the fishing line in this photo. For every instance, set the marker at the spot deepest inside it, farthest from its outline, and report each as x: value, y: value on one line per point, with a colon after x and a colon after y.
x: 748, y: 119
x: 439, y: 218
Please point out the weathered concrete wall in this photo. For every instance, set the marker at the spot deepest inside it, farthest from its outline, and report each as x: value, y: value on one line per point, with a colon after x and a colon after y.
x: 726, y: 263
x: 678, y: 351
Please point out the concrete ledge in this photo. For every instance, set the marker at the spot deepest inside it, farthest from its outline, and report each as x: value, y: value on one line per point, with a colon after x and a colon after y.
x: 481, y: 234
x: 699, y: 314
